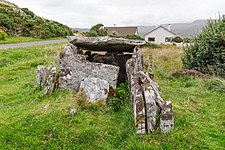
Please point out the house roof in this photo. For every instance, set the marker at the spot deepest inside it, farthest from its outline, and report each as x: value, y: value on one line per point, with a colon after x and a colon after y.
x: 160, y: 27
x: 122, y: 31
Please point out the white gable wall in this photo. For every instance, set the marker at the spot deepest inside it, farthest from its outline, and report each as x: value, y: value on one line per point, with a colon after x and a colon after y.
x: 159, y: 34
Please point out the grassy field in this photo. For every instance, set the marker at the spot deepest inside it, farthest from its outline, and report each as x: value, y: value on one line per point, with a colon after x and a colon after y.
x: 21, y: 39
x: 31, y: 120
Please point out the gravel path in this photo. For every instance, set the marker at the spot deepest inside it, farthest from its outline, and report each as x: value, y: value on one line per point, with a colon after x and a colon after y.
x: 26, y: 44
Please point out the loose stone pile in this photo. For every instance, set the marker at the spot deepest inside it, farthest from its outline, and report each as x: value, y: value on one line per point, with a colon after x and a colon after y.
x: 97, y: 76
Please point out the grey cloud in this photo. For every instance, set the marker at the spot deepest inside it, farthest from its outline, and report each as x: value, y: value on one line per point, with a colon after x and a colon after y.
x: 85, y: 13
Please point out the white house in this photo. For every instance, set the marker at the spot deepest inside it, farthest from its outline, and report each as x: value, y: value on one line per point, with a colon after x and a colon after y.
x: 160, y: 35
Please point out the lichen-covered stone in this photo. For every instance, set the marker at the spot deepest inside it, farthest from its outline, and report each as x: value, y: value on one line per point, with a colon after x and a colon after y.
x: 166, y: 117
x: 132, y: 68
x: 105, y: 43
x: 78, y: 71
x: 95, y: 89
x: 146, y: 98
x: 42, y: 74
x: 51, y: 83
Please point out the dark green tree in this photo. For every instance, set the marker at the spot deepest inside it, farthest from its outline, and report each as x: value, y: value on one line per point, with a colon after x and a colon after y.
x: 177, y: 39
x: 97, y: 30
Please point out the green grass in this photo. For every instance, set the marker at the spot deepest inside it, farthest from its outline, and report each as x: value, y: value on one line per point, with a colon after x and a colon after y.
x: 26, y: 124
x: 21, y: 39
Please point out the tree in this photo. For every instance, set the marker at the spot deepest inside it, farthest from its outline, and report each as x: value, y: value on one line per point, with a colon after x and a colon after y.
x: 177, y: 39
x: 97, y: 30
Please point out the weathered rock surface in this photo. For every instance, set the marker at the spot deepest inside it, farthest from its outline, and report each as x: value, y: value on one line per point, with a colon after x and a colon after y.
x: 52, y: 82
x: 133, y: 65
x: 95, y: 89
x: 46, y: 77
x: 42, y: 74
x: 105, y: 43
x: 166, y: 118
x: 74, y: 68
x: 72, y: 73
x: 116, y: 60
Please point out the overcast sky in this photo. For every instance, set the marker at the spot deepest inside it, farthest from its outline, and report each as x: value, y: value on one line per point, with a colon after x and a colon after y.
x: 85, y: 13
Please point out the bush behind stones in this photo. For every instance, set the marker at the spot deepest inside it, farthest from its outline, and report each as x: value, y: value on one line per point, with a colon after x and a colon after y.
x: 207, y: 53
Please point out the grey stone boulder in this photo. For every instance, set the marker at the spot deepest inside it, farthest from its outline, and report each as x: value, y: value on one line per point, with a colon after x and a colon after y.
x: 95, y: 89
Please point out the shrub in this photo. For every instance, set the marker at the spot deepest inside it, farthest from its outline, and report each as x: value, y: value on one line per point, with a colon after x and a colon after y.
x: 134, y: 37
x: 151, y: 45
x: 187, y: 40
x: 177, y: 39
x: 31, y: 25
x: 207, y: 52
x: 2, y: 35
x: 121, y: 99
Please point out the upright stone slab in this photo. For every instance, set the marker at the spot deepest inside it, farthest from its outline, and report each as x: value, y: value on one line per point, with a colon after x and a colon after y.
x: 74, y: 68
x: 42, y: 74
x: 132, y: 68
x: 166, y: 117
x: 46, y: 77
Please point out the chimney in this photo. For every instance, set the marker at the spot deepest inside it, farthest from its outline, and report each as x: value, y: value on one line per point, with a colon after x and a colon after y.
x: 169, y: 27
x: 114, y: 25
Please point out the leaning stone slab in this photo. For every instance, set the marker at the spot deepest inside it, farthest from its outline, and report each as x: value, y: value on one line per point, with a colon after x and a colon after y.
x: 105, y: 43
x: 95, y: 89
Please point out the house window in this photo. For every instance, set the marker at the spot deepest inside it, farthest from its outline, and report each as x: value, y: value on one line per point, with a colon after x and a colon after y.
x: 151, y: 39
x: 168, y: 39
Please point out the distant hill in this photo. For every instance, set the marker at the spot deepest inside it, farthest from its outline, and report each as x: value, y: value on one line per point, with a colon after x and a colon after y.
x: 185, y: 30
x: 17, y: 21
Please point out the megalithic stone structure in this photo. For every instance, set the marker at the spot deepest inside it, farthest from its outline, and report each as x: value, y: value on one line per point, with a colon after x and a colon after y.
x: 98, y: 75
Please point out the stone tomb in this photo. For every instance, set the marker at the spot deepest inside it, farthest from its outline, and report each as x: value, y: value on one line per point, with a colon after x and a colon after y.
x: 98, y: 75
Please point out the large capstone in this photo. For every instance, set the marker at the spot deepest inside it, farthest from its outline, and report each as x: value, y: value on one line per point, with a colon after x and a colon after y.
x: 105, y: 43
x: 95, y: 89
